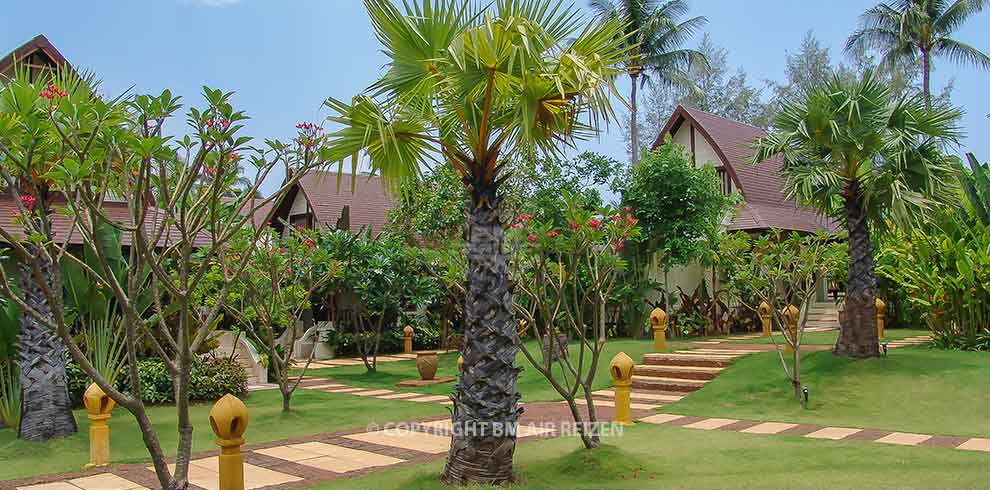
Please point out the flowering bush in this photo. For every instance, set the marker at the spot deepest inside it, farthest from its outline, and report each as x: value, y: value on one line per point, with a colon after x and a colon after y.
x: 564, y: 279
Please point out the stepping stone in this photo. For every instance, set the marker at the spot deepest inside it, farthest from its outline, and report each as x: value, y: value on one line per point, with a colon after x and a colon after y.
x: 329, y: 457
x: 769, y: 428
x: 405, y: 356
x: 102, y: 481
x: 833, y: 433
x: 639, y: 395
x: 205, y: 473
x: 398, y: 396
x: 975, y: 444
x: 608, y: 403
x: 711, y: 424
x: 661, y: 418
x: 430, y: 399
x: 405, y: 439
x: 262, y: 387
x: 323, y: 387
x: 345, y: 390
x: 904, y: 439
x: 374, y: 393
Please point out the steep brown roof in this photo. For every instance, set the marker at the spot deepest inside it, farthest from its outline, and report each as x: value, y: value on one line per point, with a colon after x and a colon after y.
x: 369, y: 202
x: 40, y: 47
x: 765, y: 204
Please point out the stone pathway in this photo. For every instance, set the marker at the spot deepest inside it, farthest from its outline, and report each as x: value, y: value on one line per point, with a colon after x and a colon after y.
x: 330, y: 386
x: 356, y: 361
x: 814, y: 431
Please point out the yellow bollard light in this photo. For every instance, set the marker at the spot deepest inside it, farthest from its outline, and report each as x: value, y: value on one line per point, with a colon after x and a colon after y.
x: 407, y: 334
x: 98, y: 408
x: 229, y: 420
x: 881, y: 312
x: 460, y: 364
x: 621, y: 369
x: 790, y: 314
x: 765, y: 311
x: 658, y: 320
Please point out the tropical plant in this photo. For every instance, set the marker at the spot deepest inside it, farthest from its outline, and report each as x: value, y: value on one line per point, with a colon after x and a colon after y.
x: 92, y: 148
x: 783, y: 271
x: 866, y: 160
x: 976, y: 184
x: 25, y: 101
x: 477, y: 86
x: 565, y: 276
x: 679, y: 205
x: 909, y: 31
x: 272, y: 293
x: 655, y: 36
x: 10, y: 394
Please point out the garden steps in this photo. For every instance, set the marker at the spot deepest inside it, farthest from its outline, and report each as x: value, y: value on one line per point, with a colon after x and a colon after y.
x: 672, y: 359
x: 667, y: 384
x: 686, y: 372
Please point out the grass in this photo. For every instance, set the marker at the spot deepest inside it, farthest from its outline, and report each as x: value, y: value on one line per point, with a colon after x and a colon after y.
x: 914, y: 389
x: 670, y: 457
x: 532, y: 385
x: 829, y: 338
x: 313, y: 412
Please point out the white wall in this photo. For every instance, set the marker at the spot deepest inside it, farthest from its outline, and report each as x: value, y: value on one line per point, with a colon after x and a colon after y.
x: 299, y: 205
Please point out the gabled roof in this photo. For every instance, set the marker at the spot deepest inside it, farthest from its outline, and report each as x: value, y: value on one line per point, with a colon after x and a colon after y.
x: 765, y: 204
x: 38, y: 47
x: 369, y: 202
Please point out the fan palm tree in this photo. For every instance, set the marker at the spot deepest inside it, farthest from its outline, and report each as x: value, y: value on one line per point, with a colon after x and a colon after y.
x: 46, y: 409
x: 654, y: 37
x: 867, y: 160
x: 476, y: 86
x: 908, y: 30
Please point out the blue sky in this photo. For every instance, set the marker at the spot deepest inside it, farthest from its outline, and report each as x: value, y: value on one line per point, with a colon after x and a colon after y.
x: 284, y: 57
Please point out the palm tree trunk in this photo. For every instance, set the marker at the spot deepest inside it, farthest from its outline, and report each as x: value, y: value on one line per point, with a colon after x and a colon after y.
x: 486, y: 408
x: 634, y: 117
x: 46, y: 410
x: 858, y: 336
x: 926, y: 68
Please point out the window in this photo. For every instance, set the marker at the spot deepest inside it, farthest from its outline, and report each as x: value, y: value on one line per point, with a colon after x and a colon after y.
x: 726, y: 180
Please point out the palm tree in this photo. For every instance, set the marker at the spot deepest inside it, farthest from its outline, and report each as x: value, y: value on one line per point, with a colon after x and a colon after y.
x: 867, y: 160
x: 476, y: 86
x: 654, y: 38
x: 906, y: 30
x: 46, y: 409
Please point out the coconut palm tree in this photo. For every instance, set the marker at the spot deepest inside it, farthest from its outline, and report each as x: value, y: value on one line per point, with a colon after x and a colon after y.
x: 476, y: 86
x: 654, y: 36
x: 867, y: 160
x: 908, y: 31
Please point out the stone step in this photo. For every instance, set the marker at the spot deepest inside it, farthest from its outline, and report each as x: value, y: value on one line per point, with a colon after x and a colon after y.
x: 652, y: 396
x: 672, y: 359
x: 683, y: 372
x: 649, y: 383
x: 712, y: 351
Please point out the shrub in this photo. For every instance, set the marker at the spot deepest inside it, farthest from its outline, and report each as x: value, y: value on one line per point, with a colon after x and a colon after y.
x: 211, y: 378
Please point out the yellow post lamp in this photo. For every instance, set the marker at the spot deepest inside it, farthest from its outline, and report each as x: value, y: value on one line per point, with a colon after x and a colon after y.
x: 229, y: 420
x: 621, y: 369
x: 881, y: 311
x: 765, y: 311
x: 658, y: 320
x: 407, y: 334
x: 790, y: 314
x: 98, y: 408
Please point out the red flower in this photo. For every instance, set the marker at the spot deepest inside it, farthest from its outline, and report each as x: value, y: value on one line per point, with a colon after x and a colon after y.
x: 28, y: 201
x: 309, y: 243
x: 552, y: 234
x: 617, y: 218
x: 531, y: 238
x: 575, y: 225
x: 300, y: 227
x: 627, y: 209
x: 517, y: 225
x: 631, y: 220
x: 282, y: 250
x: 594, y: 223
x: 208, y: 123
x: 51, y: 91
x: 618, y: 245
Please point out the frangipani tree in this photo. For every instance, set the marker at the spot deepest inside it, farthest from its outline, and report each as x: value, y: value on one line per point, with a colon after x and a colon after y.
x: 865, y: 159
x: 475, y: 86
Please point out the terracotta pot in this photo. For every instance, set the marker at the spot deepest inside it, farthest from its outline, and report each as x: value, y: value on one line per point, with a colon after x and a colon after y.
x: 427, y: 363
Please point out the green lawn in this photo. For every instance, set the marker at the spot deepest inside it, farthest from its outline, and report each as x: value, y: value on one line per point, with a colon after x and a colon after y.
x: 532, y: 384
x: 829, y: 338
x: 912, y: 389
x: 313, y: 412
x: 649, y: 457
